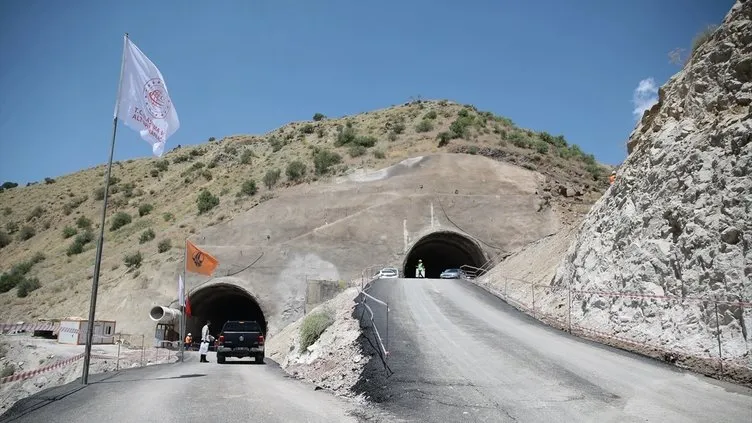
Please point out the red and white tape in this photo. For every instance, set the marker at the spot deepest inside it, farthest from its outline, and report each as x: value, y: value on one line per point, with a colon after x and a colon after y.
x: 30, y: 327
x: 53, y: 366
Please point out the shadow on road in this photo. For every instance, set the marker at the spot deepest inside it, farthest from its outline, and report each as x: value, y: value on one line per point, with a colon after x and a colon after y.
x: 152, y: 378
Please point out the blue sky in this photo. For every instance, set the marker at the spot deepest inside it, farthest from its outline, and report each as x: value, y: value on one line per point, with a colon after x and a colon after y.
x: 241, y: 66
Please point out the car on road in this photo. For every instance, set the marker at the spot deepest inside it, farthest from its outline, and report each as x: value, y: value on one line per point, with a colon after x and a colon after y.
x: 240, y: 338
x: 452, y: 274
x: 388, y: 273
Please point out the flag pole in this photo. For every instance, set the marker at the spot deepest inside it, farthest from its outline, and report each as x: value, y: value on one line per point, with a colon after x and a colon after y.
x: 98, y: 260
x: 183, y: 317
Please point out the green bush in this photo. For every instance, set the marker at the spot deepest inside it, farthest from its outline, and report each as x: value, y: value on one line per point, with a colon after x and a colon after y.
x: 541, y: 147
x: 444, y: 138
x: 206, y: 173
x: 392, y: 136
x: 430, y: 115
x: 295, y: 170
x: 247, y: 157
x: 146, y: 236
x: 133, y: 261
x: 366, y: 141
x: 379, y: 154
x: 313, y: 326
x: 164, y: 245
x: 119, y: 220
x: 424, y: 126
x: 167, y: 217
x: 69, y: 231
x: 276, y: 143
x: 17, y: 273
x: 26, y: 286
x: 206, y: 201
x: 75, y: 248
x: 5, y: 239
x: 345, y: 136
x: 459, y: 128
x: 357, y: 150
x: 9, y: 185
x: 594, y: 170
x: 308, y: 128
x: 318, y: 116
x: 145, y: 209
x: 231, y: 150
x: 271, y: 177
x: 27, y: 232
x: 325, y: 159
x: 154, y: 173
x: 398, y: 127
x: 249, y: 188
x: 83, y: 223
x: 520, y: 139
x: 162, y: 165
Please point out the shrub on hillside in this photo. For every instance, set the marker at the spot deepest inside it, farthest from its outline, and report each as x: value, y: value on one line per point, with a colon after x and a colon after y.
x: 146, y: 236
x: 295, y: 170
x: 318, y: 116
x: 154, y: 173
x: 5, y: 239
x: 168, y: 216
x: 249, y: 188
x: 703, y: 36
x: 541, y: 147
x: 27, y: 232
x: 206, y: 201
x: 83, y: 222
x: 313, y: 326
x: 398, y: 127
x: 424, y: 126
x: 379, y: 154
x: 272, y: 177
x: 392, y: 136
x: 69, y: 231
x: 325, y: 159
x: 133, y: 261
x: 247, y: 157
x: 307, y: 128
x: 431, y: 115
x: 164, y: 245
x: 145, y: 209
x: 26, y: 286
x: 444, y: 138
x: 459, y: 127
x: 49, y: 180
x: 9, y: 185
x: 276, y: 143
x: 366, y: 141
x: 119, y: 220
x: 162, y: 165
x: 345, y: 136
x: 357, y: 150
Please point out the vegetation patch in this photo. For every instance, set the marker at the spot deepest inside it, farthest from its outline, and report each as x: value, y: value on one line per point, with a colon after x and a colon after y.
x: 313, y: 326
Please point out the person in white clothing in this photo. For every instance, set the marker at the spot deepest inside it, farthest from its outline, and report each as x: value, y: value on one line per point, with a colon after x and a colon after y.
x: 204, y: 342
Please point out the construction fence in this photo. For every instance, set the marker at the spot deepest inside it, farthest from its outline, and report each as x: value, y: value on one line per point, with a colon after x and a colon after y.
x: 125, y: 351
x: 707, y: 335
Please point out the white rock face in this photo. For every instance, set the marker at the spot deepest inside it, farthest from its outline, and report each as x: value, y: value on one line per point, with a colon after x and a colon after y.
x: 678, y: 220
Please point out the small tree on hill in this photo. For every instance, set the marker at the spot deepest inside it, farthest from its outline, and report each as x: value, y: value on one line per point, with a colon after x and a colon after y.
x: 272, y: 177
x: 295, y: 170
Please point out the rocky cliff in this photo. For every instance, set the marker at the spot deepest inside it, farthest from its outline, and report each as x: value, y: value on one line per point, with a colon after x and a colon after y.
x: 678, y: 220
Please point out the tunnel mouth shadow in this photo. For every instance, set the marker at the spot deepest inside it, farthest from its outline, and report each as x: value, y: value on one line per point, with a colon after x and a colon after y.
x: 219, y: 303
x: 443, y: 250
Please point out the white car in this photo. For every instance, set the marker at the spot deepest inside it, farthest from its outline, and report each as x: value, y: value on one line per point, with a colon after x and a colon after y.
x: 388, y: 273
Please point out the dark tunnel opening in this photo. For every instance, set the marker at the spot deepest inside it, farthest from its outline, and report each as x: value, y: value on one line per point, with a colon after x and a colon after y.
x: 220, y: 303
x: 440, y: 251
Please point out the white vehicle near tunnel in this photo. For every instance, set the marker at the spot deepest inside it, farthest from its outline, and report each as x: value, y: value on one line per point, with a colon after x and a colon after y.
x: 388, y: 273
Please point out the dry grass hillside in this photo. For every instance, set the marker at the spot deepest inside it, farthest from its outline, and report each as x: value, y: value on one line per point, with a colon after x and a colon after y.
x: 48, y: 230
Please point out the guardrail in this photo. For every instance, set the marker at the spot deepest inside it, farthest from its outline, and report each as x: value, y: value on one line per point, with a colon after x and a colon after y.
x: 383, y: 348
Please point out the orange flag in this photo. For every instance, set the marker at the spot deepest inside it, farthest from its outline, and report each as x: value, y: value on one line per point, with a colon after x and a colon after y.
x: 199, y: 261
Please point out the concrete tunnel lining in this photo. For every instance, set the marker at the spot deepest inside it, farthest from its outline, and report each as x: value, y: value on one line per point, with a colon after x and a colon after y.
x: 443, y: 250
x: 219, y: 303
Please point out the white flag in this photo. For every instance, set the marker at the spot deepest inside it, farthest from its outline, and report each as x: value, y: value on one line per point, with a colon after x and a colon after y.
x: 181, y: 291
x: 144, y: 104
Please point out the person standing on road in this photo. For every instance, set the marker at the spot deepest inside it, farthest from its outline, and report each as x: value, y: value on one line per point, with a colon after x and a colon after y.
x: 420, y: 271
x: 204, y: 348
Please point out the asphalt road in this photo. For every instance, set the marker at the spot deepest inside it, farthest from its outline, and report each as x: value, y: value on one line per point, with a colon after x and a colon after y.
x: 458, y: 353
x: 189, y: 392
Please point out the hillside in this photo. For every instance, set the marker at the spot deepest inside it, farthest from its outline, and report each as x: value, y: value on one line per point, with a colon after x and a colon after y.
x: 48, y: 230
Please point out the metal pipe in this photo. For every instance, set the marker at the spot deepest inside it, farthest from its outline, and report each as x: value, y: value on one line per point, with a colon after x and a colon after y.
x: 163, y: 314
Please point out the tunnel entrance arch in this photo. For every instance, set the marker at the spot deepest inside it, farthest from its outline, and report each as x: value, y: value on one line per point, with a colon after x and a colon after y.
x: 442, y: 250
x: 219, y: 303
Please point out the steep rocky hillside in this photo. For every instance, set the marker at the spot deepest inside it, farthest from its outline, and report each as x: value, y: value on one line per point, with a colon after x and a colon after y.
x: 678, y: 221
x: 48, y: 230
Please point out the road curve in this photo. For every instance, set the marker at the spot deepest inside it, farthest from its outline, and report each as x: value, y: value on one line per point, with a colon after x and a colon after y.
x: 188, y: 392
x: 458, y: 353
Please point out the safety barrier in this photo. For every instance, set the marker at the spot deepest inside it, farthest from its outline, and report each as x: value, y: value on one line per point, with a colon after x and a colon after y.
x: 364, y: 296
x: 600, y: 321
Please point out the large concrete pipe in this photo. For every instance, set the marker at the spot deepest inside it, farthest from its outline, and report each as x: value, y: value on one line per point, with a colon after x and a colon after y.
x: 164, y: 314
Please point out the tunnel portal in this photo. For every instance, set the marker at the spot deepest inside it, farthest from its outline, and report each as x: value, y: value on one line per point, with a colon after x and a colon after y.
x: 443, y: 250
x: 220, y: 303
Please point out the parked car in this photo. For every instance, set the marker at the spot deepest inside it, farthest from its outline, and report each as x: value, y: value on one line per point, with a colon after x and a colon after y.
x: 452, y: 274
x: 388, y: 273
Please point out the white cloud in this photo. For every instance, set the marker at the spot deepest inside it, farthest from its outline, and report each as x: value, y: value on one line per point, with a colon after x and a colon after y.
x: 644, y: 96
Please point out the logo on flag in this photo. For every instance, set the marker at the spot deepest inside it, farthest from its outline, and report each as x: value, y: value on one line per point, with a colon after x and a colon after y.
x: 199, y: 261
x: 156, y: 99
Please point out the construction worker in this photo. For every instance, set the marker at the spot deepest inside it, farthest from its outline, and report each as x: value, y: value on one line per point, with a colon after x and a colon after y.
x: 612, y: 177
x: 420, y: 271
x: 188, y: 341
